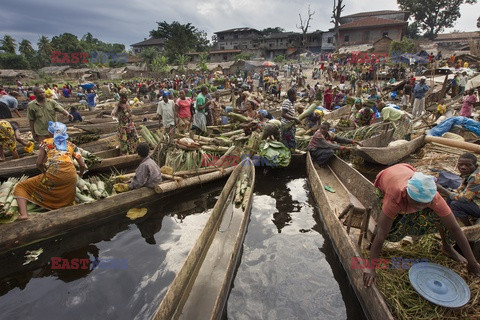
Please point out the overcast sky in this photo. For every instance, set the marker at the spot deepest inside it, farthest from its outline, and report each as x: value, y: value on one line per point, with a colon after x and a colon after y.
x: 130, y: 21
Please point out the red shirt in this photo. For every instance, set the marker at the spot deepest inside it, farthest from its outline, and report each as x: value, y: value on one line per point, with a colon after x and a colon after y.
x: 184, y: 108
x: 393, y: 183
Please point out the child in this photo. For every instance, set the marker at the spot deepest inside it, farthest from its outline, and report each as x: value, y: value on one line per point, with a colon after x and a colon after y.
x: 76, y: 115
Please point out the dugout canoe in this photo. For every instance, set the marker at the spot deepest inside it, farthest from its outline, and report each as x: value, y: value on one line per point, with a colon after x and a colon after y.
x: 111, y: 126
x: 350, y: 186
x: 46, y: 225
x: 338, y: 113
x: 110, y: 159
x: 201, y: 288
x: 388, y: 155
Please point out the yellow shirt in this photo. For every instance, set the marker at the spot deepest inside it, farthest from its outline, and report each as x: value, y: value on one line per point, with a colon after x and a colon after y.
x: 465, y: 65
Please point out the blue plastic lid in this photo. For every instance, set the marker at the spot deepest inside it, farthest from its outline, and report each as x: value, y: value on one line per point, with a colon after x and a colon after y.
x: 439, y: 285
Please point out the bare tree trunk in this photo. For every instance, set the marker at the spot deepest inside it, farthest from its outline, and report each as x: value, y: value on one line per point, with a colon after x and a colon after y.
x: 304, y: 25
x: 336, y: 14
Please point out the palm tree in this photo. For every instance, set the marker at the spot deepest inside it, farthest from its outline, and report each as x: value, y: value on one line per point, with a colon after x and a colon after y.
x: 8, y: 44
x: 202, y: 61
x: 181, y: 60
x: 44, y: 46
x: 25, y: 48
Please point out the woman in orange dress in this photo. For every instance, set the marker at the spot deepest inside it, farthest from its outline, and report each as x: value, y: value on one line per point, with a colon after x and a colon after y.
x: 55, y: 187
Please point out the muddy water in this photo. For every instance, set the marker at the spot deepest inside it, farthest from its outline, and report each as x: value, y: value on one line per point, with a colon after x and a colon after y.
x: 288, y: 268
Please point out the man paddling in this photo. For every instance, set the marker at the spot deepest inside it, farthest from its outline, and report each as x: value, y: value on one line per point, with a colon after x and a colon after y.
x: 411, y: 204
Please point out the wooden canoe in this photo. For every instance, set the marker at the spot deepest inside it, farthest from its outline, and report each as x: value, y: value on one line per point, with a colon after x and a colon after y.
x: 201, y: 288
x: 45, y: 225
x: 386, y: 155
x: 111, y: 126
x: 111, y: 158
x: 337, y: 114
x: 346, y: 181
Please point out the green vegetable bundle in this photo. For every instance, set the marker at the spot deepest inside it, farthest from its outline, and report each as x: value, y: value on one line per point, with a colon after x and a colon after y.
x: 89, y: 190
x: 275, y: 153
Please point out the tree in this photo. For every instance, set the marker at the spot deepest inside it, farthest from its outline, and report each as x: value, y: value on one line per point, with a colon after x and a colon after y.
x: 269, y: 30
x: 304, y: 25
x: 8, y: 44
x: 202, y: 61
x: 44, y: 52
x: 180, y: 38
x: 406, y: 45
x: 150, y: 55
x: 336, y: 14
x: 181, y: 61
x: 243, y: 56
x: 279, y: 58
x: 13, y: 61
x: 413, y: 31
x: 433, y: 16
x: 25, y: 48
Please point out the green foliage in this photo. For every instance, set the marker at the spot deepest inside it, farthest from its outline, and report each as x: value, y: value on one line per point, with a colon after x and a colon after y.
x: 180, y: 38
x: 149, y: 55
x: 181, y: 60
x: 413, y: 31
x: 280, y: 58
x: 270, y: 30
x: 13, y: 61
x: 8, y: 44
x: 243, y: 56
x: 202, y: 61
x: 405, y: 46
x: 160, y: 64
x: 433, y: 16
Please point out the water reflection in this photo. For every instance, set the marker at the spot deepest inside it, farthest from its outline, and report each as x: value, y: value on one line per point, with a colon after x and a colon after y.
x: 154, y: 247
x: 283, y: 273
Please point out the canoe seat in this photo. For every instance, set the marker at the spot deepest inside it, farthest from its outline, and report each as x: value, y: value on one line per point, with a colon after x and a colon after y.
x: 357, y: 216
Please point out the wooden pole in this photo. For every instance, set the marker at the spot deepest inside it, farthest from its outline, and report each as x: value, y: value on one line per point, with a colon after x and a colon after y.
x: 169, y: 186
x: 454, y: 143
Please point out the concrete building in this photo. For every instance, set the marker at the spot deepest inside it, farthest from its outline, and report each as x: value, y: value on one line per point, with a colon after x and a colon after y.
x: 148, y: 43
x: 328, y: 41
x: 369, y: 30
x: 235, y: 39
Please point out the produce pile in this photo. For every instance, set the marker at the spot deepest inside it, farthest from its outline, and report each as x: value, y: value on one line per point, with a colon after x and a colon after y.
x: 363, y: 133
x: 402, y: 299
x: 88, y: 157
x: 9, y: 205
x: 275, y: 154
x: 91, y: 189
x: 151, y: 137
x: 83, y: 138
x: 242, y: 191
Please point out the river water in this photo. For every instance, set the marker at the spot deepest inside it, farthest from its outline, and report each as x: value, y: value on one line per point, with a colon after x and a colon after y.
x: 288, y: 268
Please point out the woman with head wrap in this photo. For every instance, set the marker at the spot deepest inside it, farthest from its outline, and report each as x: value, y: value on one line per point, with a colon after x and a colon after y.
x: 127, y: 134
x: 364, y: 117
x: 55, y: 187
x: 412, y: 206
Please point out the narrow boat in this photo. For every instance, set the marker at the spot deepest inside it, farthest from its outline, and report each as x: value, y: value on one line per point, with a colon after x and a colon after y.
x: 110, y: 158
x: 111, y: 126
x: 45, y: 225
x: 201, y: 288
x: 388, y: 155
x: 351, y: 188
x: 338, y: 113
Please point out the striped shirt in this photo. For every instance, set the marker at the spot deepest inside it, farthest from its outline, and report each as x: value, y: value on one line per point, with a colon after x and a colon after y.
x: 287, y: 106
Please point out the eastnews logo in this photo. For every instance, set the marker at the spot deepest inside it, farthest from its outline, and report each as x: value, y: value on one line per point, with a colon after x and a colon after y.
x: 392, y: 263
x: 92, y: 57
x: 59, y: 263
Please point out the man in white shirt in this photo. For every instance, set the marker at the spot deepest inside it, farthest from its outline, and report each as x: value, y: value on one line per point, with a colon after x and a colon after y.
x: 462, y: 83
x: 166, y: 112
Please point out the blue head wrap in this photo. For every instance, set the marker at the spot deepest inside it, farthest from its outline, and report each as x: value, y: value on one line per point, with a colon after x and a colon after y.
x: 60, y: 136
x: 421, y: 187
x: 264, y: 112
